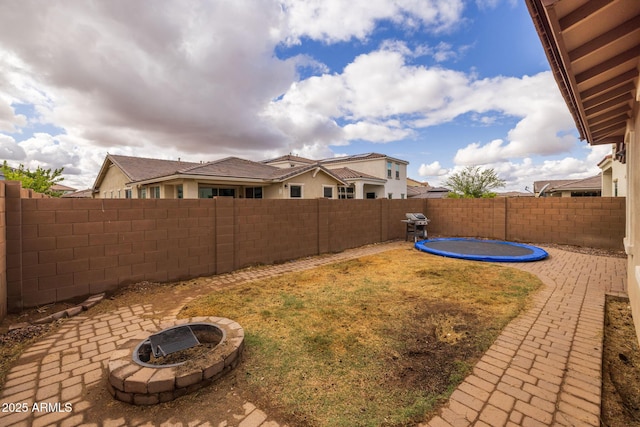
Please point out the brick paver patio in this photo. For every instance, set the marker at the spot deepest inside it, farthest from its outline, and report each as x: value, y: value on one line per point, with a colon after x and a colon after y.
x: 544, y: 369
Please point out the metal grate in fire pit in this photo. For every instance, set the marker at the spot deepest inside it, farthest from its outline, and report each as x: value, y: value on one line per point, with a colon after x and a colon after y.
x: 134, y: 381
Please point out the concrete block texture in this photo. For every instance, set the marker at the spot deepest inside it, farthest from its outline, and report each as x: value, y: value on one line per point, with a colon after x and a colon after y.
x: 83, y: 245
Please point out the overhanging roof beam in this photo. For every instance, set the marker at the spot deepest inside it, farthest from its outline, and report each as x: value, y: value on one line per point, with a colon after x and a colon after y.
x: 622, y: 78
x: 609, y: 131
x: 589, y: 8
x: 609, y: 104
x: 609, y: 140
x: 615, y: 121
x: 604, y: 116
x: 628, y: 55
x: 621, y: 90
x: 605, y: 39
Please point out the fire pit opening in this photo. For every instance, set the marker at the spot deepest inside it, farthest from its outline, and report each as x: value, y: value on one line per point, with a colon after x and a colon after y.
x: 177, y: 345
x: 185, y: 355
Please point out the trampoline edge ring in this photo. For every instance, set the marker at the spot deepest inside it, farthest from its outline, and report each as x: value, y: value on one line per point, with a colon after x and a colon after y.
x: 533, y: 253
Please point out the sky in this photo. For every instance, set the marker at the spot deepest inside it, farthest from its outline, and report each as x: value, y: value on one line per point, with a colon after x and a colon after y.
x: 442, y: 84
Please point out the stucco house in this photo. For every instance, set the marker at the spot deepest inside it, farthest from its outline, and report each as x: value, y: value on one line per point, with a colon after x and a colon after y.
x: 143, y: 178
x: 586, y: 187
x: 369, y: 175
x: 287, y: 177
x: 614, y: 176
x: 593, y: 48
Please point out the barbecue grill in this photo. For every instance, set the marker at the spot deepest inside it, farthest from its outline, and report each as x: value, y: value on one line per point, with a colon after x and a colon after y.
x: 416, y: 226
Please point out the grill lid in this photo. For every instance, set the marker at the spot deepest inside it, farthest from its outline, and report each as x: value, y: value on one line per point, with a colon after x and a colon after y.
x: 416, y: 217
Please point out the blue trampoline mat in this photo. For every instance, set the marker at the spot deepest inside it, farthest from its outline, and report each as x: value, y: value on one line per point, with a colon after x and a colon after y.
x: 481, y: 250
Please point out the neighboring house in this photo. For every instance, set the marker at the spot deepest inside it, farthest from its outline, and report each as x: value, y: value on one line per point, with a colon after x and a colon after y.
x: 514, y: 194
x: 591, y: 186
x: 369, y: 176
x: 80, y: 194
x: 593, y: 48
x: 59, y: 188
x: 415, y: 183
x: 136, y: 177
x: 421, y: 192
x: 614, y: 176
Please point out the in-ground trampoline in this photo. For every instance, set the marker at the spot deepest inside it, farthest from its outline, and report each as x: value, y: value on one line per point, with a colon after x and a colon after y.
x: 481, y: 250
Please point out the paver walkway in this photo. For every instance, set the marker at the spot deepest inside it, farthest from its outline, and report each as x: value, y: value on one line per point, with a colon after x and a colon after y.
x: 544, y: 369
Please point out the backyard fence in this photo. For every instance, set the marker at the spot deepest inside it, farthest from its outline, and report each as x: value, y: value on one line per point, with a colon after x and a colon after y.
x: 54, y: 249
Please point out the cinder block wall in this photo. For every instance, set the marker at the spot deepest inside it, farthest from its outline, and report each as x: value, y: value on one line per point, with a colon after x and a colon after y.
x: 467, y: 217
x: 3, y: 252
x: 74, y: 247
x: 56, y: 249
x: 272, y: 231
x: 597, y: 222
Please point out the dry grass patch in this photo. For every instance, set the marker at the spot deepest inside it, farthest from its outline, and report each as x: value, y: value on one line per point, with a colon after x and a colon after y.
x: 379, y: 340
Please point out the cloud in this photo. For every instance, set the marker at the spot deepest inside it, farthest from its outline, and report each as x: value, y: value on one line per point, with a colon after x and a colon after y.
x: 9, y: 149
x: 334, y: 21
x: 400, y: 89
x: 522, y: 173
x: 9, y: 120
x: 375, y: 132
x: 432, y: 169
x: 545, y: 127
x: 492, y: 4
x: 421, y: 97
x: 188, y: 80
x: 170, y: 73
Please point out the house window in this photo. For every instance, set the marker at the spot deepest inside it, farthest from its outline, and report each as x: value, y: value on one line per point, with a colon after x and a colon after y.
x: 143, y: 193
x: 327, y: 192
x: 127, y: 193
x: 397, y: 171
x: 345, y: 192
x: 389, y: 170
x: 402, y: 195
x: 390, y: 195
x: 179, y: 191
x: 615, y: 188
x: 253, y: 193
x: 370, y: 195
x: 295, y: 191
x: 205, y: 192
x: 119, y: 194
x: 154, y: 192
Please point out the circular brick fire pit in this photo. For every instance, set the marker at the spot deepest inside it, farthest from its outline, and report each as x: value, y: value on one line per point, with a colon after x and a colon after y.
x: 202, y: 350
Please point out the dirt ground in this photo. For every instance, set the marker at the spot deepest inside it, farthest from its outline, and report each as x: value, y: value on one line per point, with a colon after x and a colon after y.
x: 226, y: 400
x: 620, y: 367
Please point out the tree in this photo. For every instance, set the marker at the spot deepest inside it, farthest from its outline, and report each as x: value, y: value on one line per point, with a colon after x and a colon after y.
x: 473, y: 182
x: 41, y: 180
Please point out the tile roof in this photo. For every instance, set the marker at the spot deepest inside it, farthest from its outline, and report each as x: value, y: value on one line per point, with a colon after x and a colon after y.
x: 359, y: 157
x: 289, y: 157
x: 346, y: 173
x: 426, y: 192
x: 80, y: 194
x: 60, y: 187
x: 233, y: 167
x: 140, y: 168
x: 591, y: 183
